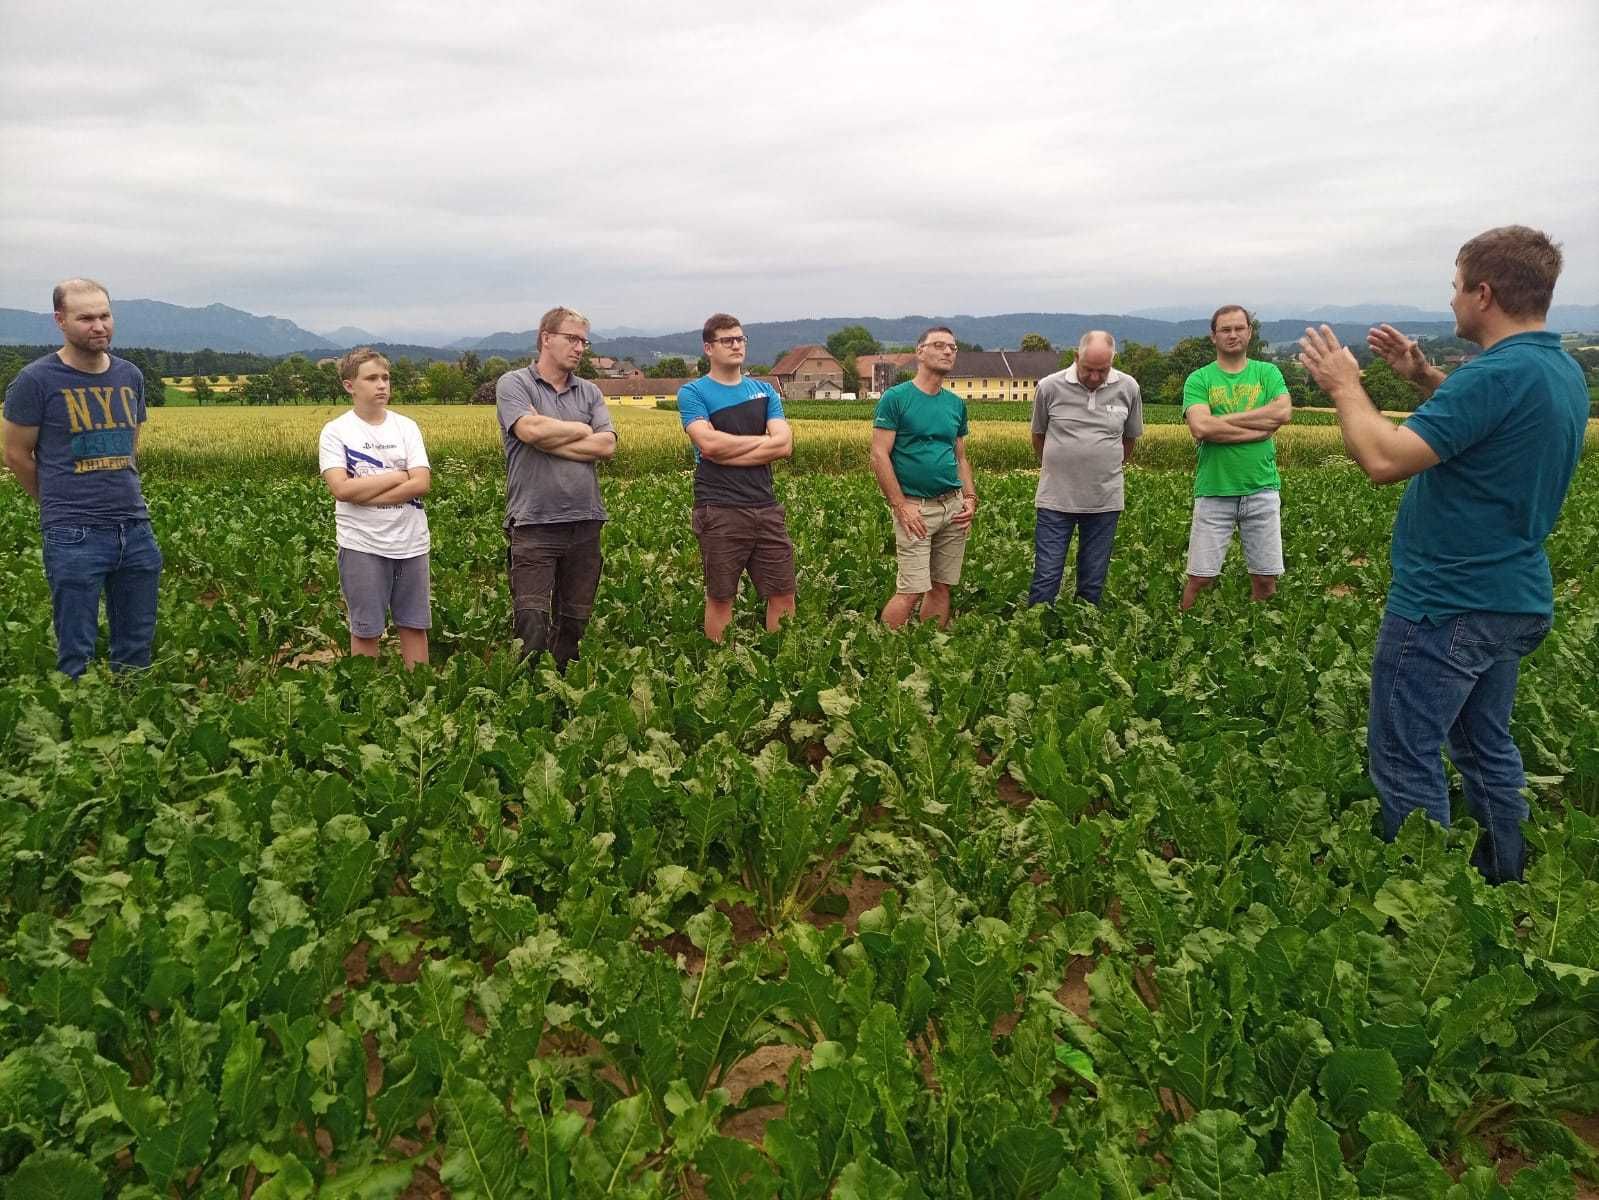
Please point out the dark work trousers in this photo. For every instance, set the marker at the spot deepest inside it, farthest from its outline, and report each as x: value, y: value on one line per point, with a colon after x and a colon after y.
x: 555, y: 571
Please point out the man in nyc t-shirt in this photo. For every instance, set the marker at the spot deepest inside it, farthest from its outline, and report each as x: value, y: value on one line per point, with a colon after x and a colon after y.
x: 71, y: 438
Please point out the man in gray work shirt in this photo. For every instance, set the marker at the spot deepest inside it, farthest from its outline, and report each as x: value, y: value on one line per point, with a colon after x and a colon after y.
x: 555, y: 427
x: 1085, y: 420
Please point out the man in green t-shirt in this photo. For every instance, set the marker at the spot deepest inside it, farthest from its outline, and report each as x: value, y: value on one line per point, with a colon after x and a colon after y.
x: 1232, y: 407
x: 919, y: 458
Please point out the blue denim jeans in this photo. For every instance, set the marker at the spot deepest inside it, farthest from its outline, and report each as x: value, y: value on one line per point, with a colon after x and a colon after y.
x: 1452, y: 684
x: 121, y: 561
x: 1052, y: 536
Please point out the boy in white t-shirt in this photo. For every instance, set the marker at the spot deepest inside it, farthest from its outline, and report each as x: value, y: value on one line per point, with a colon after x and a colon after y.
x: 375, y: 465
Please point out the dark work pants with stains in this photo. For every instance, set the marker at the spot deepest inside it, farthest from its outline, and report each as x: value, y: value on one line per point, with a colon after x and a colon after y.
x: 555, y: 571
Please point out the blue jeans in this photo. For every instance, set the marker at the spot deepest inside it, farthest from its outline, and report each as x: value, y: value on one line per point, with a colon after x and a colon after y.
x: 123, y: 562
x: 1051, y: 538
x: 1452, y: 683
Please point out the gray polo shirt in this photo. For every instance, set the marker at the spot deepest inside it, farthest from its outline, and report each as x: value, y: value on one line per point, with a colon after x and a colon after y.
x: 1083, y: 432
x: 540, y: 488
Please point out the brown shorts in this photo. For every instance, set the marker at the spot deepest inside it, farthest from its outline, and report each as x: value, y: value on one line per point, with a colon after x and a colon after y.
x: 735, y: 540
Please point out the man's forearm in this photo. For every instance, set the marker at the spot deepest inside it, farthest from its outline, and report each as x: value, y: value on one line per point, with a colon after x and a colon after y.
x: 399, y: 493
x: 887, y: 481
x: 546, y: 433
x: 1365, y: 430
x: 26, y: 468
x: 596, y: 447
x: 1038, y: 446
x: 727, y: 449
x: 765, y: 450
x: 365, y: 489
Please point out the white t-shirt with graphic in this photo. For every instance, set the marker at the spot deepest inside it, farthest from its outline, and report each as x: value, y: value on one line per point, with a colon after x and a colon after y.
x: 392, y: 530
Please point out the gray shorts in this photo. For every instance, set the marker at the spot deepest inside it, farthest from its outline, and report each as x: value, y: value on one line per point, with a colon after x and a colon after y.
x: 1258, y: 519
x: 375, y: 586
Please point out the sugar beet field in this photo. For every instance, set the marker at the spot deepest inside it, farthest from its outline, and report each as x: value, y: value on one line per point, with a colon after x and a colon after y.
x: 1063, y: 904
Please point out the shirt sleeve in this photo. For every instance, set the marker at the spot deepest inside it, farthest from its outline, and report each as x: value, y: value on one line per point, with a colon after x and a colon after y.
x: 415, y: 452
x: 600, y: 413
x: 25, y: 401
x: 691, y: 405
x: 1040, y: 411
x: 887, y: 414
x: 774, y: 403
x: 330, y: 450
x: 1194, y: 392
x: 1467, y: 407
x: 511, y: 400
x: 964, y: 428
x: 1134, y: 425
x: 1274, y: 383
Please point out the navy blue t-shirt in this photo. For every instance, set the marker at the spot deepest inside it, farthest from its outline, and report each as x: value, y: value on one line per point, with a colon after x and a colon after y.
x: 86, y: 429
x: 742, y: 408
x: 1508, y: 429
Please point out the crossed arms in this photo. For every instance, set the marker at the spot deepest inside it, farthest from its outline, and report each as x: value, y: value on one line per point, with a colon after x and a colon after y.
x: 741, y: 450
x: 394, y: 486
x: 564, y: 439
x: 1251, y: 425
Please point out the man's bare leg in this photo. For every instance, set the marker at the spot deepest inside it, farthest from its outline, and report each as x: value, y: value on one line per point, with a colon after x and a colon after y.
x: 366, y: 647
x: 413, y: 646
x: 1262, y: 587
x: 718, y: 616
x: 777, y: 609
x: 1195, y: 585
x: 935, y: 605
x: 899, y: 608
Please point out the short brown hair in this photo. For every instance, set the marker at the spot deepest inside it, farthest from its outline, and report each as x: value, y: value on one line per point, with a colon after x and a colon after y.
x: 552, y: 321
x: 58, y: 297
x: 935, y: 329
x: 1518, y: 263
x: 1229, y: 308
x: 717, y: 322
x: 351, y: 362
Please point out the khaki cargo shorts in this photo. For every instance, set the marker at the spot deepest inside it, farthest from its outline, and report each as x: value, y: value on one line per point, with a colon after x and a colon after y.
x: 937, y: 557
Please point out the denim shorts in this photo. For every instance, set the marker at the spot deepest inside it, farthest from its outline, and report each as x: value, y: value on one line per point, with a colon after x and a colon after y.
x: 375, y: 586
x: 1258, y: 519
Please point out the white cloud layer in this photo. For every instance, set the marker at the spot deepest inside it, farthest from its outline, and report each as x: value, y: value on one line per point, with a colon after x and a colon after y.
x: 449, y: 169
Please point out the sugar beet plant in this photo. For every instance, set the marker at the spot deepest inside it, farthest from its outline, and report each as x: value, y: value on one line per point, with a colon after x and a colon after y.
x: 1064, y: 904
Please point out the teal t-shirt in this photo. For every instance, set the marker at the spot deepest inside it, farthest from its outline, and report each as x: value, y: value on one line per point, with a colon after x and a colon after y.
x: 925, y: 428
x: 1507, y: 428
x: 1241, y: 468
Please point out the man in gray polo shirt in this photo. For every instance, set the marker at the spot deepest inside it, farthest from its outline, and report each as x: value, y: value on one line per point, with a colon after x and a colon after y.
x: 1085, y: 420
x: 555, y: 427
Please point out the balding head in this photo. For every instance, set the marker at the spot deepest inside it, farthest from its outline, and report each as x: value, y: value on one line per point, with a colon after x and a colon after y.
x: 1095, y: 350
x: 70, y: 287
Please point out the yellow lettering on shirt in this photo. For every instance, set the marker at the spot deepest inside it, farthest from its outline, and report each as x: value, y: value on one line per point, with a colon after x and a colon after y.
x: 117, y: 462
x: 77, y: 410
x: 127, y: 396
x: 103, y: 395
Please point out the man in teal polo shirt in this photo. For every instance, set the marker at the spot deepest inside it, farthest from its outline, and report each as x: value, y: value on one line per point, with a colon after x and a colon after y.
x: 919, y: 458
x: 1490, y: 455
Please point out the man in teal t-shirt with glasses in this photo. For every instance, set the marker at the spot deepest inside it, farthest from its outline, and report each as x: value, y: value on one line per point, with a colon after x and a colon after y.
x: 1232, y: 408
x: 1489, y: 456
x: 919, y: 458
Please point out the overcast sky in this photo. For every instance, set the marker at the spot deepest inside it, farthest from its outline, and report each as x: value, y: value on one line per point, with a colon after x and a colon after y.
x: 456, y: 168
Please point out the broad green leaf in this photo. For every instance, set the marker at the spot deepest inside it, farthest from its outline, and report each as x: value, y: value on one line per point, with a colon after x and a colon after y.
x: 174, y: 1149
x: 1027, y: 1159
x: 735, y: 1170
x: 1213, y: 1158
x: 377, y: 1181
x: 867, y: 1179
x: 1397, y: 1165
x: 481, y: 1158
x: 624, y: 1137
x: 1313, y: 1164
x: 243, y: 1080
x: 55, y: 1175
x: 1357, y: 1082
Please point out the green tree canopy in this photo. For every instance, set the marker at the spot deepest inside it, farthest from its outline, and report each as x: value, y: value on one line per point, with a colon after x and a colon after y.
x: 1035, y: 341
x: 446, y: 384
x: 203, y: 392
x: 668, y: 368
x: 852, y: 340
x: 1144, y: 363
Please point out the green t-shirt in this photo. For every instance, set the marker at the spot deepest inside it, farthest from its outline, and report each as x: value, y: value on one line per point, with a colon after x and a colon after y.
x: 925, y: 428
x: 1242, y: 468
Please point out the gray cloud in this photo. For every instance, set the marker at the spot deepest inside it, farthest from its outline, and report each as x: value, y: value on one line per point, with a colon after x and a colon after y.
x: 459, y: 168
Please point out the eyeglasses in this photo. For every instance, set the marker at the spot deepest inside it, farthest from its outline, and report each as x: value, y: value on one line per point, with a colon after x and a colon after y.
x: 577, y: 339
x: 940, y: 345
x: 731, y: 341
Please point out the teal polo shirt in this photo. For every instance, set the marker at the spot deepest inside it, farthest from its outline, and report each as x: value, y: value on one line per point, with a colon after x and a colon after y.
x: 1507, y: 428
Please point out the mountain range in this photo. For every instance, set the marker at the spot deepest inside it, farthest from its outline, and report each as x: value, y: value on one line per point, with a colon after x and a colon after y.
x: 155, y: 324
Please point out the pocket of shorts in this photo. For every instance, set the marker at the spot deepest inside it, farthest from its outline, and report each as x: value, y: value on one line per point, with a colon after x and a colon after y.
x: 67, y: 535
